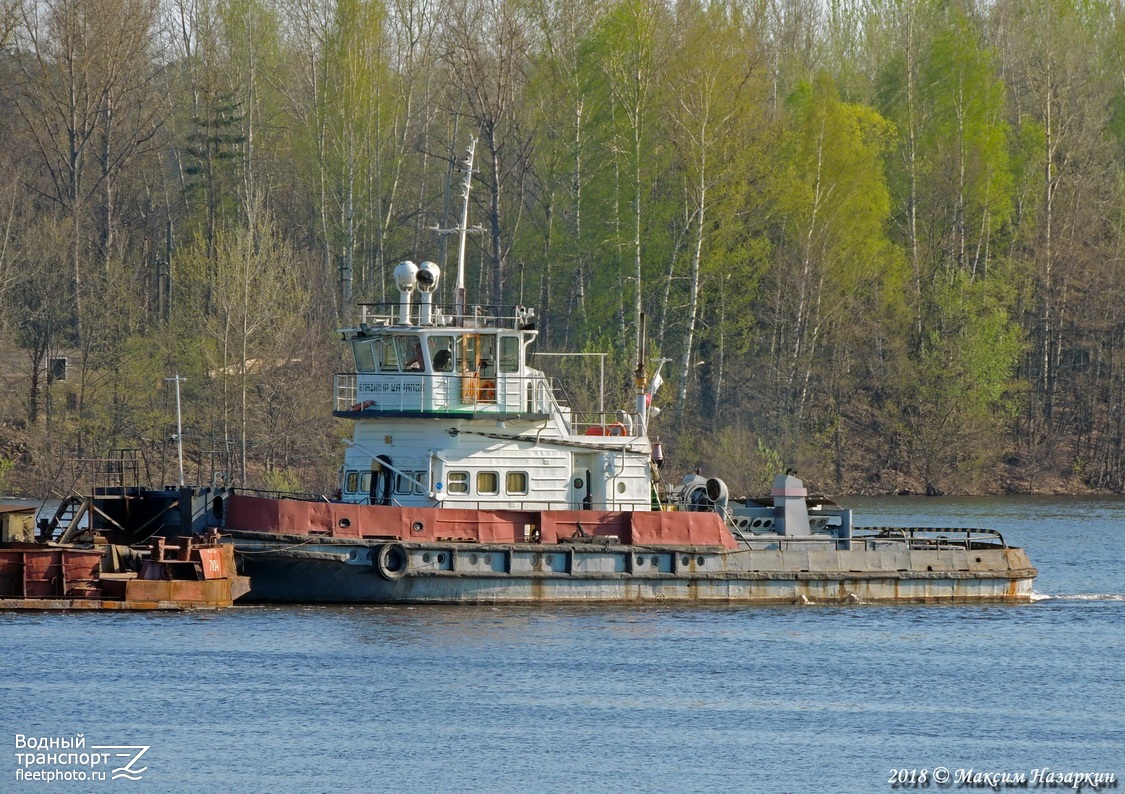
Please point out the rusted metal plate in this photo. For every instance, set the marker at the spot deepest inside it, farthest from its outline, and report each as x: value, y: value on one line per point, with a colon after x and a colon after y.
x: 81, y: 570
x: 212, y: 560
x: 42, y: 574
x: 217, y: 592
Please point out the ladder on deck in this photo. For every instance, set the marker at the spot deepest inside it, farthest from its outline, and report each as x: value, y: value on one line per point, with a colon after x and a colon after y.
x: 111, y: 477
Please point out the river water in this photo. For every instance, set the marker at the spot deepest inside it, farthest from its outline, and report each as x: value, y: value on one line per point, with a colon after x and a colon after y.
x: 791, y: 699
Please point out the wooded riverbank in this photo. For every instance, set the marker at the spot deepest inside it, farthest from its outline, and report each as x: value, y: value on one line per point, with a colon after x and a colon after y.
x: 879, y: 242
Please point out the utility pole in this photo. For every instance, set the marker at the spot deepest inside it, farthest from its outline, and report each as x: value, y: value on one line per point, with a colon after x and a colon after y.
x: 179, y: 425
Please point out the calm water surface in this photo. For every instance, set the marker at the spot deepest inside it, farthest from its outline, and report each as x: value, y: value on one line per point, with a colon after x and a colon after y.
x: 832, y: 699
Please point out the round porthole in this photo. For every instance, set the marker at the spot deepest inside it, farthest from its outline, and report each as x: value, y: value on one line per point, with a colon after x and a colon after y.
x: 426, y: 557
x: 578, y: 482
x: 441, y: 559
x: 621, y: 487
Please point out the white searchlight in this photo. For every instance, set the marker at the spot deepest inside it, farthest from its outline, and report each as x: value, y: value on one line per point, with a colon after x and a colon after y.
x: 406, y: 278
x: 428, y: 276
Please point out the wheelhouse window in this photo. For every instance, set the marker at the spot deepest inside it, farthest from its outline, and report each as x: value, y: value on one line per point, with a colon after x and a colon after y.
x: 364, y: 355
x: 458, y: 482
x: 515, y: 483
x: 386, y: 359
x: 351, y: 482
x: 487, y: 356
x: 488, y: 483
x: 509, y: 354
x: 441, y: 353
x: 410, y: 353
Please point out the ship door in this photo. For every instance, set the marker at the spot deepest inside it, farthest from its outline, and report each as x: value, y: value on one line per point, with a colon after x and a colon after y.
x: 382, y: 481
x: 469, y: 367
x: 509, y: 389
x: 580, y: 496
x: 488, y: 364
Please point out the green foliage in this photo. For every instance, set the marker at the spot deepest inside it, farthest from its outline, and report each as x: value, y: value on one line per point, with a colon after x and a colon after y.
x: 281, y: 480
x: 963, y: 145
x: 962, y: 384
x: 771, y: 465
x: 833, y: 196
x: 6, y: 467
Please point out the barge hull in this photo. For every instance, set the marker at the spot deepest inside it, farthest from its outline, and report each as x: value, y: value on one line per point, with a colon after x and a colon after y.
x: 332, y: 573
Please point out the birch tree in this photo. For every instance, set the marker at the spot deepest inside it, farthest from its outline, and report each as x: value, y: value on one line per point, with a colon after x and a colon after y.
x: 715, y: 61
x: 634, y: 49
x: 487, y: 48
x: 258, y: 304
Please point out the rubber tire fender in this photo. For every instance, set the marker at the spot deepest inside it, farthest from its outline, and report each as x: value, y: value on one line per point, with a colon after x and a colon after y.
x: 386, y: 553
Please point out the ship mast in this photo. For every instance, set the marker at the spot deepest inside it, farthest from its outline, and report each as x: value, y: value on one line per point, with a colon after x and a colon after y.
x: 463, y: 229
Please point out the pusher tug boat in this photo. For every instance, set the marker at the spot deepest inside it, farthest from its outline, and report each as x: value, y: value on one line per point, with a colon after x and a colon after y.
x: 469, y: 480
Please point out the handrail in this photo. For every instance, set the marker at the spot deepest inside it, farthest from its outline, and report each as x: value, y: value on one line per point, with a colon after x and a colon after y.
x: 913, y: 533
x: 386, y: 313
x: 940, y: 539
x: 299, y: 496
x: 422, y: 392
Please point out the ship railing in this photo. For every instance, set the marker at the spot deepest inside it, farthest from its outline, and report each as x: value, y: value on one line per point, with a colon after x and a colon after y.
x: 528, y: 505
x: 420, y: 392
x: 300, y: 496
x: 476, y: 316
x: 113, y: 474
x: 344, y: 390
x: 604, y: 424
x: 570, y: 360
x: 930, y: 538
x: 869, y: 538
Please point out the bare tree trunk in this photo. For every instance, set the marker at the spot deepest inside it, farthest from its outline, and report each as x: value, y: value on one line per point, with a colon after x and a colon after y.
x: 693, y: 301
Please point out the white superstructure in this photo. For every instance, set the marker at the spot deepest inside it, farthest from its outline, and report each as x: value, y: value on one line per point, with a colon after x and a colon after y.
x: 449, y: 412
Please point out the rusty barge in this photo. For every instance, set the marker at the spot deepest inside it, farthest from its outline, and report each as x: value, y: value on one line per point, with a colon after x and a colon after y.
x: 118, y: 546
